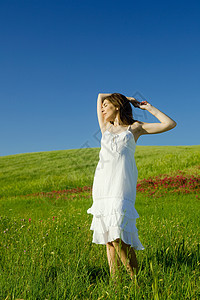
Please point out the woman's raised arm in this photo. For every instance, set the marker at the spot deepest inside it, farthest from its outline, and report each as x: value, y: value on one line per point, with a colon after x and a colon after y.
x: 101, y: 120
x: 166, y: 122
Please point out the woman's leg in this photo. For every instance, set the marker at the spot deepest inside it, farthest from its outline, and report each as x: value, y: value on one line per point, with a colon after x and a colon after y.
x: 127, y: 256
x: 113, y: 259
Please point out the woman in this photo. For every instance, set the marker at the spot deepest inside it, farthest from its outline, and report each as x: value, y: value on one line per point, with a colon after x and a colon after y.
x: 114, y: 186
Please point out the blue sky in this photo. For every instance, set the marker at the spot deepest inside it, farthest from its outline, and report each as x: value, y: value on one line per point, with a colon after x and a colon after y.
x: 56, y: 56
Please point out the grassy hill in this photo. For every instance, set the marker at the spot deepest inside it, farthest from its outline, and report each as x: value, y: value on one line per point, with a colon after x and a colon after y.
x: 46, y: 249
x: 46, y: 171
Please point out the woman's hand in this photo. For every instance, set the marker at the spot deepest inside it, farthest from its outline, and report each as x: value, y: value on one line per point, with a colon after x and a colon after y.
x: 133, y: 101
x: 144, y: 105
x: 141, y: 105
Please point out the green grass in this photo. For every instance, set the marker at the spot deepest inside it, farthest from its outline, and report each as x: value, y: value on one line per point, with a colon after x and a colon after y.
x: 45, y: 247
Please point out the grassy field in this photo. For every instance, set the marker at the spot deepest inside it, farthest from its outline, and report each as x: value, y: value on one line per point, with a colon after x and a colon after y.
x: 46, y: 250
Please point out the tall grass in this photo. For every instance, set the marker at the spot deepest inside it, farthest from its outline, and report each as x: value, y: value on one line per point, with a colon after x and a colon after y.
x: 46, y: 251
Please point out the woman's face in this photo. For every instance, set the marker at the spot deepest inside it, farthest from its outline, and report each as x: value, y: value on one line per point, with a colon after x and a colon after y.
x: 109, y: 110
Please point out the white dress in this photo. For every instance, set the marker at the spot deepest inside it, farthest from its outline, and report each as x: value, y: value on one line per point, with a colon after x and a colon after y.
x: 114, y: 191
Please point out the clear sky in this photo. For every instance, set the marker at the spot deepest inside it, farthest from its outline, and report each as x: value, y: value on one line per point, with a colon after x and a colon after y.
x: 56, y: 56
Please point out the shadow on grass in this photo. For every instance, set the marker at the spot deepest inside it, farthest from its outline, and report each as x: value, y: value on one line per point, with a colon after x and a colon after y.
x: 177, y: 257
x: 174, y: 256
x: 96, y: 273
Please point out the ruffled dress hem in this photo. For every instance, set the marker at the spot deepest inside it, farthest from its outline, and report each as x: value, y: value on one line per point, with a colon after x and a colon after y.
x: 113, y: 221
x: 114, y: 233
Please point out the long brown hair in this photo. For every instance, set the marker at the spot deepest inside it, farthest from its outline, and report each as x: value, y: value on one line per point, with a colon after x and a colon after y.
x: 124, y: 106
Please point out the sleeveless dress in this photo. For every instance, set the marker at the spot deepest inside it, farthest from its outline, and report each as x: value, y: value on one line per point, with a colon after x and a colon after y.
x: 114, y: 191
